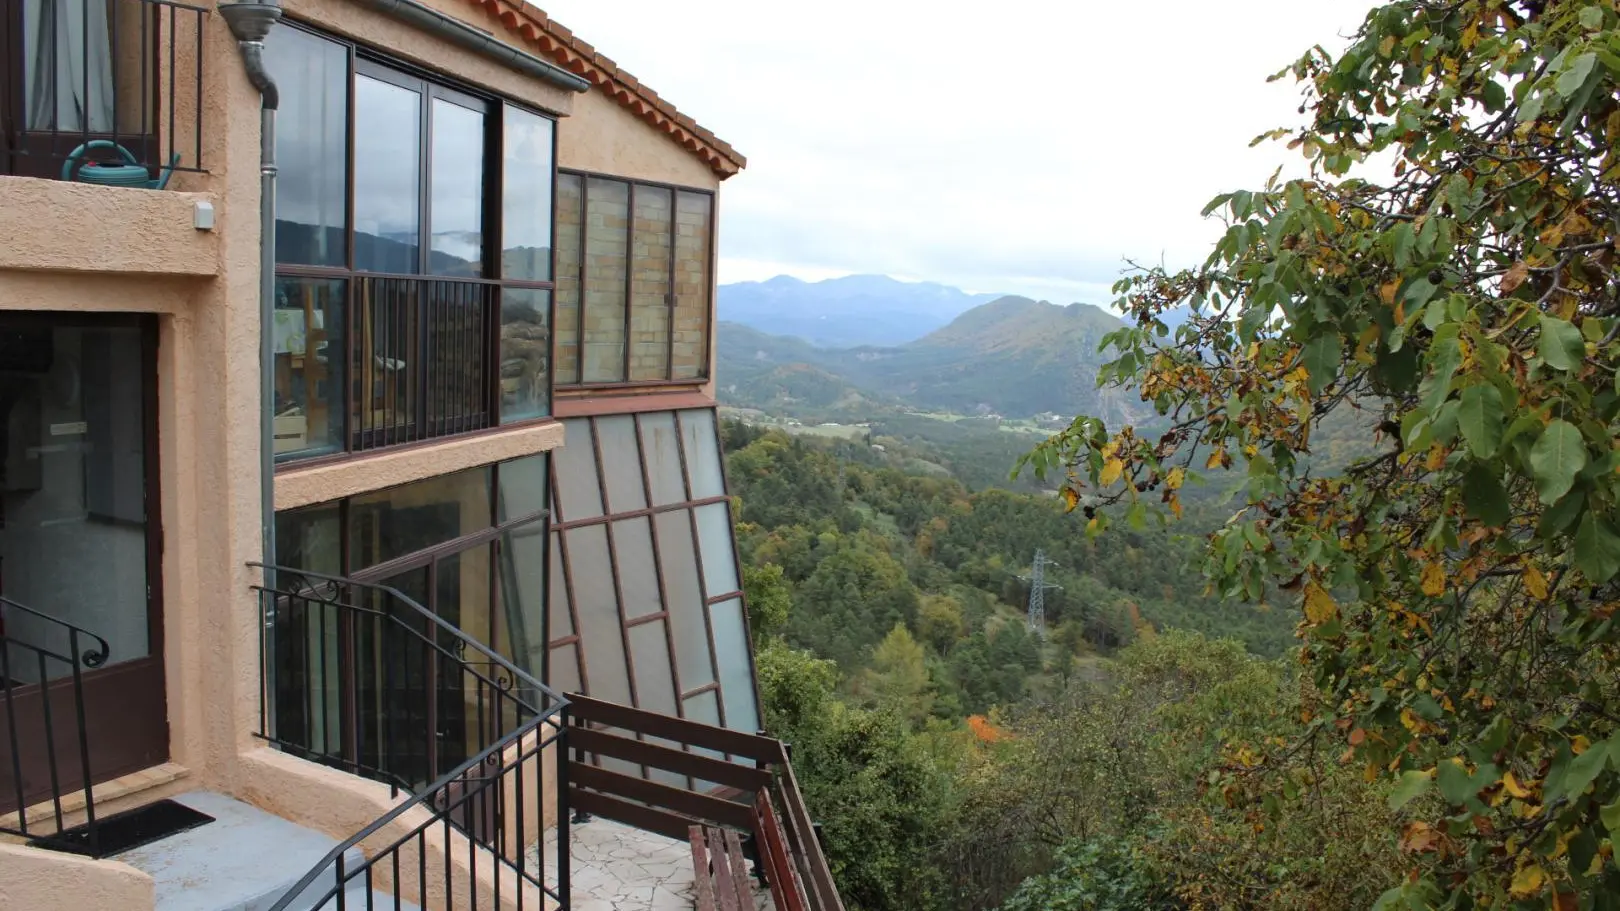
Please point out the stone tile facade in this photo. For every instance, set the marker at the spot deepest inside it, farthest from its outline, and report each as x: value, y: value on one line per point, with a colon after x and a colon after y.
x: 659, y: 254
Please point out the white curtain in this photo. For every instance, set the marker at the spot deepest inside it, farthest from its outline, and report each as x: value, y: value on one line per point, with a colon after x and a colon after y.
x: 68, y: 54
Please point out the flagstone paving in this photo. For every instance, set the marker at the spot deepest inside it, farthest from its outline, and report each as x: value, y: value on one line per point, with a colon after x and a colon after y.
x: 620, y: 868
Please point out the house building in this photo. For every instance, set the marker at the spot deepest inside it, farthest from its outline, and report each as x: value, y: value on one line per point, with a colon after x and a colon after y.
x: 363, y: 521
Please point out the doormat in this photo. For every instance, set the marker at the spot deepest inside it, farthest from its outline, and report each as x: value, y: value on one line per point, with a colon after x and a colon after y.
x: 125, y: 831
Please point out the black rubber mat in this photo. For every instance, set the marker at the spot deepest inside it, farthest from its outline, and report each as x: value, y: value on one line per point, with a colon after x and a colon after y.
x: 126, y: 830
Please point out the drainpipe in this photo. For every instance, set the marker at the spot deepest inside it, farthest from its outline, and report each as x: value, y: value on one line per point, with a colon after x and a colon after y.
x: 250, y: 22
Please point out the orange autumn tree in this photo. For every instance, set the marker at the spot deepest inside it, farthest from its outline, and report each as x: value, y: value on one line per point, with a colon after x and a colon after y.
x: 1457, y: 586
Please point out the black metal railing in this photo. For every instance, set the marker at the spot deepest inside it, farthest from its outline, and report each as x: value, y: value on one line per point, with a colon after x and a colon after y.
x: 363, y: 678
x: 120, y: 80
x: 47, y: 733
x: 425, y: 351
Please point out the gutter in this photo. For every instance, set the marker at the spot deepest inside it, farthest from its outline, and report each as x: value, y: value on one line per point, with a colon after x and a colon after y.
x: 250, y: 22
x: 455, y: 31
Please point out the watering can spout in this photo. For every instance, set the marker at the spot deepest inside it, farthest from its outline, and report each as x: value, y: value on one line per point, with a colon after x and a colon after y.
x: 163, y: 178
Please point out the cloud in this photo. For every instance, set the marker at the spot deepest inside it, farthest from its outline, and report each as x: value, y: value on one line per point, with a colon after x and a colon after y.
x: 1024, y: 146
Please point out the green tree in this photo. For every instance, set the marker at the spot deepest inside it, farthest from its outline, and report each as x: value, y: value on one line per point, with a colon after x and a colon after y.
x: 1458, y: 585
x: 770, y: 601
x: 898, y: 679
x: 939, y: 622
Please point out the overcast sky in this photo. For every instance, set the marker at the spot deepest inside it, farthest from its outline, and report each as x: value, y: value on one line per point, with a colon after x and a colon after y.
x: 1023, y: 146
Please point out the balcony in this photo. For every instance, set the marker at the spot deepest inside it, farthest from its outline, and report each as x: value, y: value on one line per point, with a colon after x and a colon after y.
x: 116, y: 82
x: 373, y: 361
x: 490, y: 767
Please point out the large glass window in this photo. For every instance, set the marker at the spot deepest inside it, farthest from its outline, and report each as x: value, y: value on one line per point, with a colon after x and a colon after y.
x: 633, y: 281
x: 414, y: 288
x: 643, y: 556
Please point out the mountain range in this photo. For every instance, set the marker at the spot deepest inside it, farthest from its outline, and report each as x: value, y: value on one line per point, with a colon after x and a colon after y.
x: 846, y: 312
x: 1010, y: 356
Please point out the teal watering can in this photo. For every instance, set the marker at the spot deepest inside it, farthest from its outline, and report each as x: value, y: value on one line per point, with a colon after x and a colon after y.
x: 129, y: 174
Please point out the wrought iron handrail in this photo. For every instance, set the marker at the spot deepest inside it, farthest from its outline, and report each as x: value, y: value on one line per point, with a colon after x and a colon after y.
x: 483, y: 799
x: 78, y: 659
x: 455, y: 791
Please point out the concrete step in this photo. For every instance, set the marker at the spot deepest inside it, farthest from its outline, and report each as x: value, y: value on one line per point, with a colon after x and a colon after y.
x: 245, y: 860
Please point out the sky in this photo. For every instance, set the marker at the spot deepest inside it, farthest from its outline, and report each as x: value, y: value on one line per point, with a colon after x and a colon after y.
x: 1016, y: 146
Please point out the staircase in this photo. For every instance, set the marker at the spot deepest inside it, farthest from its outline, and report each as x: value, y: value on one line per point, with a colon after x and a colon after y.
x: 245, y: 860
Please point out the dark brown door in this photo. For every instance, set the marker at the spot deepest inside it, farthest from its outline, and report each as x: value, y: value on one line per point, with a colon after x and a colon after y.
x: 81, y: 663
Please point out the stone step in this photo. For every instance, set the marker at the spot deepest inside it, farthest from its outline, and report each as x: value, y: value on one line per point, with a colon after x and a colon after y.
x: 245, y: 860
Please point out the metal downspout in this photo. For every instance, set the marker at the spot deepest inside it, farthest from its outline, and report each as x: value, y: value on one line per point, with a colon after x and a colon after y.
x: 250, y: 22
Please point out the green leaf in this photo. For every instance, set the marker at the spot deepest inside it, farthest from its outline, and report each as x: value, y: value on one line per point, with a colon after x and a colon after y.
x: 1484, y: 497
x: 1401, y: 245
x: 1611, y: 818
x: 1597, y: 549
x: 1321, y: 359
x: 1561, y: 515
x: 1580, y: 772
x: 1575, y: 73
x: 1455, y: 783
x: 1480, y: 416
x: 1592, y: 17
x: 1410, y: 786
x: 1561, y: 343
x: 1556, y: 458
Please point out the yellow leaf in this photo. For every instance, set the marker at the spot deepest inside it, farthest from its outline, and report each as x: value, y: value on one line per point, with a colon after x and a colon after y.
x: 1535, y: 582
x: 1386, y: 292
x: 1319, y: 605
x: 1112, y: 469
x: 1528, y: 881
x: 1070, y: 499
x: 1175, y: 478
x: 1580, y: 744
x: 1512, y: 786
x: 1436, y: 459
x: 1434, y: 580
x: 1217, y: 457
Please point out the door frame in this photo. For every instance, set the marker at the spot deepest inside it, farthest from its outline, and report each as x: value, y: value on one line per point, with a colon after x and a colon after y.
x: 125, y: 702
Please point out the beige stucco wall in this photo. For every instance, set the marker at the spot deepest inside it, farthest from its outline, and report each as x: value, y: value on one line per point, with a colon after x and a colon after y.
x: 38, y: 880
x: 603, y: 137
x: 113, y: 229
x: 306, y: 486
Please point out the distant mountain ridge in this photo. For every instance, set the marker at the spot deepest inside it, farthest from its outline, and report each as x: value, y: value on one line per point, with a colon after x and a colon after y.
x: 1011, y: 356
x: 845, y: 312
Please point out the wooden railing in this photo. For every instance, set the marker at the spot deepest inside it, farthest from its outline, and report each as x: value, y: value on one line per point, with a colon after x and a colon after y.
x: 713, y: 776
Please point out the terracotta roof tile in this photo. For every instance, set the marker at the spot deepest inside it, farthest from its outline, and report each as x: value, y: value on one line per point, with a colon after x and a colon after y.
x: 555, y: 41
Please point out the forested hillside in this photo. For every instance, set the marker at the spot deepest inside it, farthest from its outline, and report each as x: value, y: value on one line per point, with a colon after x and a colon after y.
x: 1011, y: 356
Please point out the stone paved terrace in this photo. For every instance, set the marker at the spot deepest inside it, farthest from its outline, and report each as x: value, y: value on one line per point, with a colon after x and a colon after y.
x: 619, y: 868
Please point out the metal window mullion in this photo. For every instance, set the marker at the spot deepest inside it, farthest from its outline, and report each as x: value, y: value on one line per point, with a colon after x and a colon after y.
x: 629, y: 271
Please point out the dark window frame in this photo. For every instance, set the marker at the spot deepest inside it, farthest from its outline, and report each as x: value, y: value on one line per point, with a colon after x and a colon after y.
x: 367, y: 61
x: 579, y: 383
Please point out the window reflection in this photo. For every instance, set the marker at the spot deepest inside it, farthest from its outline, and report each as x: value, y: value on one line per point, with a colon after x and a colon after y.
x: 312, y: 75
x: 525, y: 354
x: 387, y: 182
x: 307, y: 332
x: 457, y: 211
x: 526, y: 199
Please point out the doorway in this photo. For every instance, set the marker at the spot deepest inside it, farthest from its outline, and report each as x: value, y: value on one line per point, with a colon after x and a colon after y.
x: 81, y: 631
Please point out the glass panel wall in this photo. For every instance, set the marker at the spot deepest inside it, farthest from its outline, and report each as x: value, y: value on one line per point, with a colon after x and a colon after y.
x: 397, y: 318
x: 652, y: 564
x: 633, y: 281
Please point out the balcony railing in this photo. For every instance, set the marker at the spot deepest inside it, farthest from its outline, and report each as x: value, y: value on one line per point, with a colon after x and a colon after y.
x: 45, y: 746
x: 424, y: 354
x: 362, y: 678
x: 118, y: 80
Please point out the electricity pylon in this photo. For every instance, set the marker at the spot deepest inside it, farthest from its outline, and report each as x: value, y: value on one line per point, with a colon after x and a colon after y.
x: 1037, y: 592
